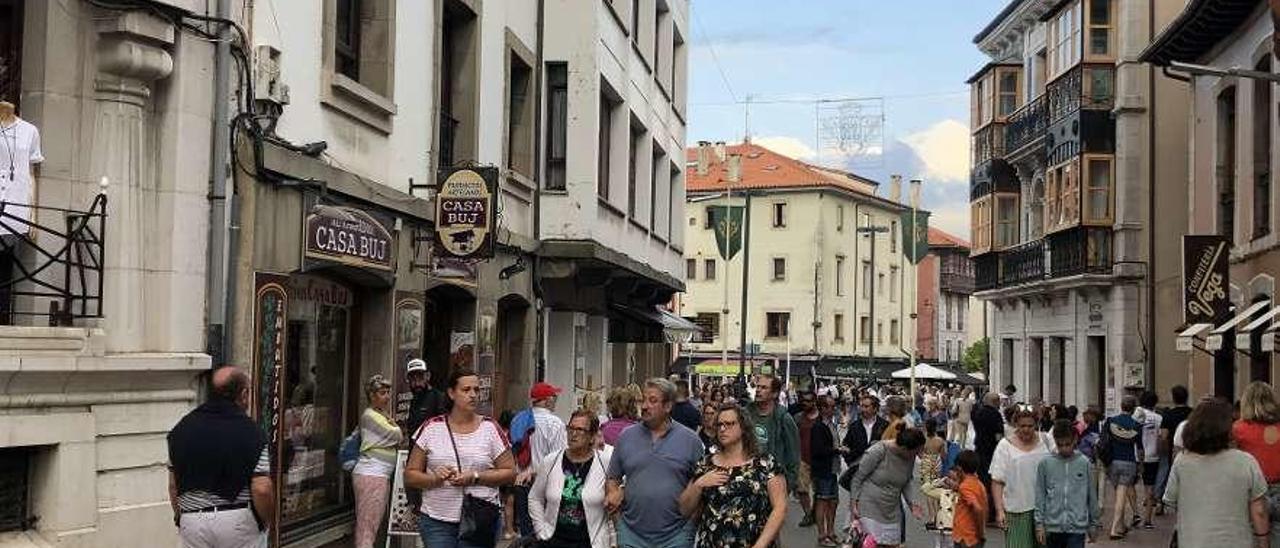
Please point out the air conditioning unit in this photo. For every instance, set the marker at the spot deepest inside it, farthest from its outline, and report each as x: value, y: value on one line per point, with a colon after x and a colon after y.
x: 267, y: 85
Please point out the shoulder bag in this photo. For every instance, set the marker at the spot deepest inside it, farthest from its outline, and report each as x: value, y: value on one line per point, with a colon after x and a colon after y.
x: 479, y: 521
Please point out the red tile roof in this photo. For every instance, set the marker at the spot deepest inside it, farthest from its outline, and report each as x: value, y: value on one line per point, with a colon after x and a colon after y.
x: 764, y: 168
x: 938, y: 238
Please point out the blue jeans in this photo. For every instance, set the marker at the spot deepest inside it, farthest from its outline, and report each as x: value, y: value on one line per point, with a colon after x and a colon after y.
x: 1064, y: 540
x: 443, y: 534
x: 629, y: 539
x: 524, y: 524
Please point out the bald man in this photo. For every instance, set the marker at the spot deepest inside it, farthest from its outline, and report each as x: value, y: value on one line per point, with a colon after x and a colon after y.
x: 219, y: 470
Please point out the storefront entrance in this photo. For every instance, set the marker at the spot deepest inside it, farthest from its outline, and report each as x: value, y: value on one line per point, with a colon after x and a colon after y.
x: 317, y: 390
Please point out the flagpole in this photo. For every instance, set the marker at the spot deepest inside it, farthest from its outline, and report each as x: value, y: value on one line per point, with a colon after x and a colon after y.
x: 727, y: 219
x: 915, y: 296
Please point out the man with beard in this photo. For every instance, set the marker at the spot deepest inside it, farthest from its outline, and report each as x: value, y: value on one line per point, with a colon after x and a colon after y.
x: 427, y: 401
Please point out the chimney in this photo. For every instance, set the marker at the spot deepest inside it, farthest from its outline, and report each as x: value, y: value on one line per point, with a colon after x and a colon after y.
x: 719, y: 151
x: 735, y: 168
x: 704, y: 157
x: 915, y: 193
x: 895, y: 188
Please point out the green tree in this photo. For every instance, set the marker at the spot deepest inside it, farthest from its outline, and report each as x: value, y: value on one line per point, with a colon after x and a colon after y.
x: 975, y: 358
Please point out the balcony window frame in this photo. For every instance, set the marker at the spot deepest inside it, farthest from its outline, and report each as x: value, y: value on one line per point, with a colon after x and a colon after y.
x: 1108, y: 29
x: 1001, y: 94
x: 1064, y: 40
x: 1089, y: 161
x: 1062, y: 196
x: 1005, y: 220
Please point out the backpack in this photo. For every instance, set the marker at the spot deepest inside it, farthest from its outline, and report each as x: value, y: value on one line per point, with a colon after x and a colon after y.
x: 949, y: 457
x: 349, y: 450
x: 1088, y: 445
x: 1102, y: 447
x: 522, y: 426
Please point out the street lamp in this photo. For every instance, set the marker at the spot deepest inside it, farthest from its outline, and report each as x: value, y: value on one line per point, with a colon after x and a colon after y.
x: 870, y: 232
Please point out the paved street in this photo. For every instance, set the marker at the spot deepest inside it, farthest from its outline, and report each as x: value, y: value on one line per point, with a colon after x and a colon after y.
x: 796, y: 537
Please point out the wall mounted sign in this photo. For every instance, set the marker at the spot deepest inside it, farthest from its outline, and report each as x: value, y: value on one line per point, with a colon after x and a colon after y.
x: 349, y: 236
x: 1204, y: 279
x: 270, y: 316
x: 464, y: 212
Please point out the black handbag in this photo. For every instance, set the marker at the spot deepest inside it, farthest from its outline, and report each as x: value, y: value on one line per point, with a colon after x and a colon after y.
x: 479, y: 523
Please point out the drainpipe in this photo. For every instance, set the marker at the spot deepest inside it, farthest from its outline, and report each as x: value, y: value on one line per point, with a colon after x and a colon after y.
x: 540, y: 313
x: 220, y: 308
x: 1150, y: 379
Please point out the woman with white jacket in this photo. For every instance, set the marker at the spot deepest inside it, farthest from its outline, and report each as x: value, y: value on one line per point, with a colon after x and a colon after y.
x: 566, y: 502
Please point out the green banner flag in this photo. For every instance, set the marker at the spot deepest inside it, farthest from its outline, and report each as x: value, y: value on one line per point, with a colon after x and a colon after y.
x: 915, y: 227
x: 727, y: 222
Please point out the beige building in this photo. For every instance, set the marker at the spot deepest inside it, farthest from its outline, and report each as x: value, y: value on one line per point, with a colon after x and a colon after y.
x: 1068, y: 137
x: 1229, y: 187
x: 811, y: 274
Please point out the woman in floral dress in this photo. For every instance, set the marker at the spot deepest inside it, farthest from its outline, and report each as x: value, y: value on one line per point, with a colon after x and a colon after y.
x: 739, y: 494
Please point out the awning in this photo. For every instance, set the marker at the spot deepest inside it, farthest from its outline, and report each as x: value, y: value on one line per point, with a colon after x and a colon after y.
x: 924, y: 371
x: 1214, y: 341
x: 673, y: 328
x: 1244, y: 336
x: 1186, y: 339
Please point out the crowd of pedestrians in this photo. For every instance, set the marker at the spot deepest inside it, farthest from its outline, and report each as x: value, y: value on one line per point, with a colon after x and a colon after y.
x: 662, y: 466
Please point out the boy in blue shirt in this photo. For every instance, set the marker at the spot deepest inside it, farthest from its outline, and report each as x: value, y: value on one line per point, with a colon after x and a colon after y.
x: 1067, y: 508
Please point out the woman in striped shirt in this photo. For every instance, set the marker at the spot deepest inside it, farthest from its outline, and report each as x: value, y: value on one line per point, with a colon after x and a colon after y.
x: 379, y: 437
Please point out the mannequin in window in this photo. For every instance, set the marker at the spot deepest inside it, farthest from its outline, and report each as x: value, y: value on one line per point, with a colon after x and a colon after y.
x: 20, y: 157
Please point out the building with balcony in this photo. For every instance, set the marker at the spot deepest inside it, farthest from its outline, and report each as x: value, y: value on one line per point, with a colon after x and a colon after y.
x: 950, y: 319
x: 815, y: 288
x: 1065, y: 148
x: 1229, y: 184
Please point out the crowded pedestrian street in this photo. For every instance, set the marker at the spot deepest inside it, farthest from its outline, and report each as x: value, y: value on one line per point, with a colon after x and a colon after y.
x: 639, y: 274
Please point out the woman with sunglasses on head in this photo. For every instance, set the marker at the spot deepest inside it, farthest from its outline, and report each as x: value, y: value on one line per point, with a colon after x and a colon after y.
x: 1013, y: 478
x: 371, y: 477
x: 740, y: 493
x: 566, y: 502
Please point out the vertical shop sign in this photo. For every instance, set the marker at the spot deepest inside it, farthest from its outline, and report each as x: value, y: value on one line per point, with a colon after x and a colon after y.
x: 486, y: 358
x: 1204, y: 278
x: 270, y: 305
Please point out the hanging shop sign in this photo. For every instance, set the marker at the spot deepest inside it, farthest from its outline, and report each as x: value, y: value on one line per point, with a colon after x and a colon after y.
x: 1204, y: 278
x: 464, y: 212
x: 727, y: 222
x: 349, y: 236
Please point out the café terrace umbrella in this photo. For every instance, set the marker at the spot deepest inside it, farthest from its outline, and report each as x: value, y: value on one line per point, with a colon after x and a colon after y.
x: 925, y: 371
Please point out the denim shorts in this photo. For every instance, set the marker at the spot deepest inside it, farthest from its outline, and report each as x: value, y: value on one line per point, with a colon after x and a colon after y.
x: 443, y: 534
x: 825, y: 488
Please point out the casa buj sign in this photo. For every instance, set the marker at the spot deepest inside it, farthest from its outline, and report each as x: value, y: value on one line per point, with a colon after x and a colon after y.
x: 348, y: 236
x: 1204, y: 278
x: 464, y: 212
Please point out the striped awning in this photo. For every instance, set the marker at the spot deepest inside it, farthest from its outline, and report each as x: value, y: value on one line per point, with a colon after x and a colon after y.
x: 1187, y: 338
x: 1214, y: 341
x: 1244, y: 336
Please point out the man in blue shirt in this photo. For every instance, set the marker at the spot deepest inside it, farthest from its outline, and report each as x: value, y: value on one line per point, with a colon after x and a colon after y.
x: 1123, y: 434
x: 652, y: 463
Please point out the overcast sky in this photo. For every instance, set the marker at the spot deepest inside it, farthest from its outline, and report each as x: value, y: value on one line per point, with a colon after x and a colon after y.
x: 915, y: 54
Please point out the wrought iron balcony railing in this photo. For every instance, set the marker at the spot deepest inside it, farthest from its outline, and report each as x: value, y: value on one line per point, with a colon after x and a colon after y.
x: 1091, y: 87
x: 1026, y: 126
x: 1080, y: 251
x: 989, y: 143
x: 956, y: 283
x: 53, y: 271
x: 1023, y: 263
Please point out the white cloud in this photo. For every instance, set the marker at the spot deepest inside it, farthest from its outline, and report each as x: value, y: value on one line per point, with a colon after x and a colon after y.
x: 952, y: 218
x: 786, y: 146
x: 944, y: 149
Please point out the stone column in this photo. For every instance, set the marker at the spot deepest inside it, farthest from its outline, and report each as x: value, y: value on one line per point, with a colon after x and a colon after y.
x: 132, y: 54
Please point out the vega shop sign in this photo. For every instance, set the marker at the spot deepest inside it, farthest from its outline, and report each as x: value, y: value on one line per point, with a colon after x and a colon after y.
x: 348, y: 236
x: 464, y: 212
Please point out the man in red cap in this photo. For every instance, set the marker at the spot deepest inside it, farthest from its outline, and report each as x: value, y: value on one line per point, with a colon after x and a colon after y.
x: 535, y: 433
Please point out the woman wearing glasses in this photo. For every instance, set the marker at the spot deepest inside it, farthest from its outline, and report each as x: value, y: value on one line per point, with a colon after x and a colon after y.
x: 566, y: 502
x: 740, y: 493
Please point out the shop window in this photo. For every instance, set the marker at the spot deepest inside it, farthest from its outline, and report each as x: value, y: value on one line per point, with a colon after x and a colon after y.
x: 11, y: 50
x: 520, y: 116
x: 709, y: 266
x: 1226, y: 163
x: 313, y: 485
x: 778, y: 323
x: 1098, y: 191
x: 1262, y: 120
x: 557, y: 125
